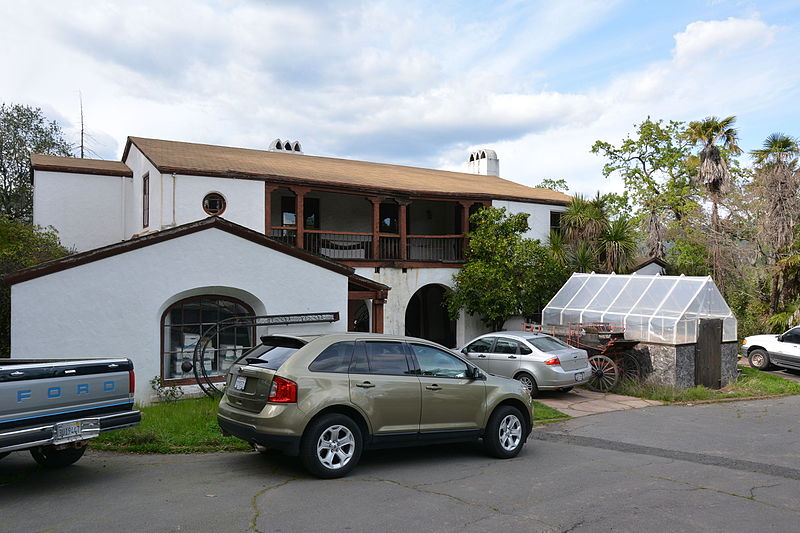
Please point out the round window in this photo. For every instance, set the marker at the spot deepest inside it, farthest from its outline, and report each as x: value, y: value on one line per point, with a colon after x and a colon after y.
x: 214, y: 204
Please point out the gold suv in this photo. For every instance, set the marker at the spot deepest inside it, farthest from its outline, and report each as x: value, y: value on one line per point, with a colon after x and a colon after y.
x: 327, y: 398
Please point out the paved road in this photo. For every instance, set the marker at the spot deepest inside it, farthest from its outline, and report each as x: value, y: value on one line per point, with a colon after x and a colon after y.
x: 723, y: 467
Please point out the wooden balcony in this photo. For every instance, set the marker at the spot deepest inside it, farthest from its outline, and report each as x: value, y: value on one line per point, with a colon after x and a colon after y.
x: 345, y: 245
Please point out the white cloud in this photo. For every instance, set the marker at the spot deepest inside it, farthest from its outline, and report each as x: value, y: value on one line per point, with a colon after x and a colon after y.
x: 720, y: 38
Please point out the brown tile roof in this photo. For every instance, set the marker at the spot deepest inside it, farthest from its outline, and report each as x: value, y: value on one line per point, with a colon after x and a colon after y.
x: 210, y: 160
x: 80, y: 166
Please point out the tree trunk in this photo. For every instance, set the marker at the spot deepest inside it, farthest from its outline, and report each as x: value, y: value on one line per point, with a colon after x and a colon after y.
x: 716, y: 254
x: 773, y: 293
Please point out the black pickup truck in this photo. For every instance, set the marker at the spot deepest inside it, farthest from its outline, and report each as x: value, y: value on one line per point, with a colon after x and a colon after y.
x: 53, y: 407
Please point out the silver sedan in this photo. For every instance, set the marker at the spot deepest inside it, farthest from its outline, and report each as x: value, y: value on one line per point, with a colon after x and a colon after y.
x: 539, y: 361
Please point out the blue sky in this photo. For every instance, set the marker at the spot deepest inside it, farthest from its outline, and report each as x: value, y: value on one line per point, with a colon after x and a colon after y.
x: 406, y: 82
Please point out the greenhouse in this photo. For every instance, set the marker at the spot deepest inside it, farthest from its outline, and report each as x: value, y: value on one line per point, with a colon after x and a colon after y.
x: 652, y: 309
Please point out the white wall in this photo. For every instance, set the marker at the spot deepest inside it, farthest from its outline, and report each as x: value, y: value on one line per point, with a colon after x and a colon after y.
x: 86, y: 209
x: 244, y: 199
x: 140, y: 166
x: 113, y: 307
x: 538, y: 219
x: 177, y: 199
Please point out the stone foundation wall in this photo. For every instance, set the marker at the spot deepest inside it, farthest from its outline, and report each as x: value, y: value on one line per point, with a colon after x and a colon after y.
x: 674, y: 365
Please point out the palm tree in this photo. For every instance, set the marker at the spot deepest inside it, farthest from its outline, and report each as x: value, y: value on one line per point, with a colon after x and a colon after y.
x: 618, y: 245
x: 583, y: 257
x: 712, y: 133
x: 558, y: 247
x: 777, y: 178
x: 583, y: 220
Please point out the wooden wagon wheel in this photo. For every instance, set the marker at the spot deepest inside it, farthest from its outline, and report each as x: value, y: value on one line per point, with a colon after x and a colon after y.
x: 605, y: 373
x: 630, y: 368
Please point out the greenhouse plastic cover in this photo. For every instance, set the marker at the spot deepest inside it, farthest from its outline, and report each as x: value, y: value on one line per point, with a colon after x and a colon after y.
x: 661, y: 309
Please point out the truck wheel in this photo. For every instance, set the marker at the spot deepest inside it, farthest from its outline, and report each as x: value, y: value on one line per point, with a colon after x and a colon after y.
x: 51, y: 457
x: 759, y: 359
x: 331, y: 446
x: 505, y: 433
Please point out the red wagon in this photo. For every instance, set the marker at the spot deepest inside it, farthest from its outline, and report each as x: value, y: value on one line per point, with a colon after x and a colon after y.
x: 609, y: 352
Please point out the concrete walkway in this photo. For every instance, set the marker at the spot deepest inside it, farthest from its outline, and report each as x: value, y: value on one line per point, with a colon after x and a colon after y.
x: 582, y: 402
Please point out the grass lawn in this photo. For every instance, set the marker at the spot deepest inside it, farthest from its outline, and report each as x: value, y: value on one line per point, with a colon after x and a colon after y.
x: 185, y: 426
x: 542, y: 413
x: 190, y: 426
x: 752, y: 383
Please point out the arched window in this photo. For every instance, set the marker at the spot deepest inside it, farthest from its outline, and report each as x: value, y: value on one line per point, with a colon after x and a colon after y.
x: 184, y: 322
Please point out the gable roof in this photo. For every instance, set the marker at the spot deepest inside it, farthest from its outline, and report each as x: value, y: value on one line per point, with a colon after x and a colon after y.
x: 80, y: 166
x: 135, y: 243
x: 224, y: 161
x: 644, y: 261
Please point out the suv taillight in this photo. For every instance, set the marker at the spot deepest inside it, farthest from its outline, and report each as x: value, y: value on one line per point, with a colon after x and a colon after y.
x: 131, y: 382
x: 553, y: 361
x: 282, y: 391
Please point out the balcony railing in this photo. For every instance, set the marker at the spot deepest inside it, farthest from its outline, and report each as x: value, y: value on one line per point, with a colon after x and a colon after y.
x: 357, y: 245
x: 435, y: 247
x: 339, y: 244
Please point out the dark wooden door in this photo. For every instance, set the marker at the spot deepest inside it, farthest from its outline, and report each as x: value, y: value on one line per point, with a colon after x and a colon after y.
x: 708, y: 353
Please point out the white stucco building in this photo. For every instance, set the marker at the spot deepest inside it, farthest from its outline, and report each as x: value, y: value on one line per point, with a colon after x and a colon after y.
x: 377, y: 243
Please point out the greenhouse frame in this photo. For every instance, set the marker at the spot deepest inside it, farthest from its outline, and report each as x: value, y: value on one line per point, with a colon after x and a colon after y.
x: 652, y: 309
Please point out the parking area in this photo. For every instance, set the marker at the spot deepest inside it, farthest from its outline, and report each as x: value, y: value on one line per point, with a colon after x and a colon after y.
x: 725, y: 467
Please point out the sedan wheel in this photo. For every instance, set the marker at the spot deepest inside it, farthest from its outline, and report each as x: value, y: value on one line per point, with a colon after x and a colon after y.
x: 529, y: 383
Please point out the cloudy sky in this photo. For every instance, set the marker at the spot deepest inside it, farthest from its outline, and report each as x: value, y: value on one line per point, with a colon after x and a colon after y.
x: 406, y: 82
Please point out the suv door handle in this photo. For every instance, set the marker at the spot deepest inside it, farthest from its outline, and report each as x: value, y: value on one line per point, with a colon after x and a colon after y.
x: 512, y: 356
x: 365, y: 385
x: 482, y: 356
x: 433, y: 387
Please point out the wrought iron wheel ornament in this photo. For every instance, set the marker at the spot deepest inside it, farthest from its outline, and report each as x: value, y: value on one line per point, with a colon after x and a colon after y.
x: 206, y: 381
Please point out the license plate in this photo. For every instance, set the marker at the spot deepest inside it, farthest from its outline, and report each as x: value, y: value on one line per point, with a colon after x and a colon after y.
x: 239, y: 383
x: 579, y: 376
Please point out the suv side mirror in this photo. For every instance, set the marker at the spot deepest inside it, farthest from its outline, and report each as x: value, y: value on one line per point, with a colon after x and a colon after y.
x: 780, y: 337
x: 464, y: 350
x: 474, y: 373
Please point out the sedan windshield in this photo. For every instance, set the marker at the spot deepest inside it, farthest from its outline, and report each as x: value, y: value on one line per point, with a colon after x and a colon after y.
x: 547, y: 344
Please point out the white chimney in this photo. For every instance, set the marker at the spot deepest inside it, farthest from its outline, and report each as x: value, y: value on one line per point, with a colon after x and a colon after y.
x: 285, y: 146
x: 485, y: 162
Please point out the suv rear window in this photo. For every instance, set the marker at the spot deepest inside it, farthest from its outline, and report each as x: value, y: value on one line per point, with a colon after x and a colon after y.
x: 334, y: 358
x: 272, y: 352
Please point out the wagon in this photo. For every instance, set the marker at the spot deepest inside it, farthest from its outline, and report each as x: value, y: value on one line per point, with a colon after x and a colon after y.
x: 609, y: 352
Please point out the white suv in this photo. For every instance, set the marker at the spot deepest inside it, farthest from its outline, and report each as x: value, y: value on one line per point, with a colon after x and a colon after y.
x: 765, y: 351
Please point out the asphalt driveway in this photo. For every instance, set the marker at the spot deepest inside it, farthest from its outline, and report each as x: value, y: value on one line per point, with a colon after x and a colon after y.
x: 722, y: 467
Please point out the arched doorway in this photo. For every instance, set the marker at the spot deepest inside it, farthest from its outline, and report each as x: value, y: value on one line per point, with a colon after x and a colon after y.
x: 427, y: 317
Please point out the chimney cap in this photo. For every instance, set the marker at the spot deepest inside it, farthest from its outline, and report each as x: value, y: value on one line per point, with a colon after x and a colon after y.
x: 285, y: 146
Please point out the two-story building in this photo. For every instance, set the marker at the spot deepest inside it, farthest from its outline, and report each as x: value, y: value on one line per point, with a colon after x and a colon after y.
x: 177, y: 236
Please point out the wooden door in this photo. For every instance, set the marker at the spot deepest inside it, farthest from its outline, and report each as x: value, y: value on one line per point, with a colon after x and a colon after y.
x: 708, y: 353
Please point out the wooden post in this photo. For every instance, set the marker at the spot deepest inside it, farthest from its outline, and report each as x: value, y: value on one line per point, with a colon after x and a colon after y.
x: 401, y: 221
x: 465, y: 206
x: 268, y: 188
x: 299, y: 198
x: 377, y: 312
x: 376, y: 225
